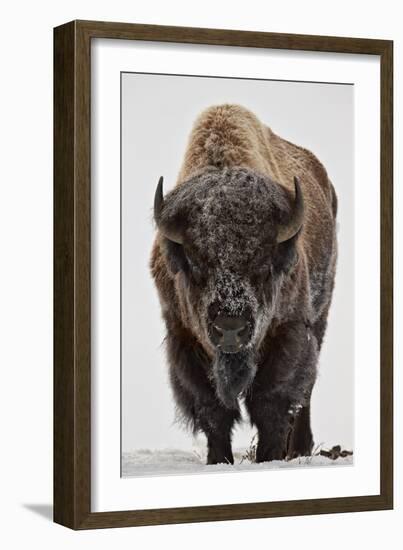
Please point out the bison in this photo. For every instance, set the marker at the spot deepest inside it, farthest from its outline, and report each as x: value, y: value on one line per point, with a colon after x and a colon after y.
x: 244, y: 263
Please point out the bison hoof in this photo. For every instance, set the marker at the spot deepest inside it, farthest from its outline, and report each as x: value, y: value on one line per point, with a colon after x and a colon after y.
x: 267, y: 455
x: 220, y: 458
x: 300, y: 447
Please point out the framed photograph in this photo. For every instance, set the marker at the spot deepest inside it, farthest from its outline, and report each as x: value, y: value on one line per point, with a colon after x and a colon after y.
x: 222, y: 274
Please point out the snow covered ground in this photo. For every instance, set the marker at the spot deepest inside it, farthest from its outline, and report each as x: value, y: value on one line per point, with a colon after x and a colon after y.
x: 146, y: 462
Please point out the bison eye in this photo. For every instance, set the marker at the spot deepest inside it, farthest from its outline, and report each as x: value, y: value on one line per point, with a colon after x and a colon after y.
x: 261, y: 274
x: 194, y: 269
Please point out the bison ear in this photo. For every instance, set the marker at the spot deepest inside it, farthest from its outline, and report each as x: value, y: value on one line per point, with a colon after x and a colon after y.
x: 291, y: 228
x: 169, y: 233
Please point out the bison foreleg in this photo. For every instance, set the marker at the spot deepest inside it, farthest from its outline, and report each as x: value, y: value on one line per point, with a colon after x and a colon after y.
x: 274, y: 424
x: 196, y: 397
x: 301, y: 440
x: 278, y: 400
x: 217, y: 423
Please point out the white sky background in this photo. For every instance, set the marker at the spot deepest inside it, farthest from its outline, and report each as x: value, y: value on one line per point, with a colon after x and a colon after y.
x: 157, y: 115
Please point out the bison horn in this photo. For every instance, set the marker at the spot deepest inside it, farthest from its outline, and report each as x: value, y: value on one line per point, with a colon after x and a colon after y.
x: 158, y: 208
x: 289, y: 230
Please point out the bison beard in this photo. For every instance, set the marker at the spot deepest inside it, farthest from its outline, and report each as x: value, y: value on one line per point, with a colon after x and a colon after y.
x: 233, y: 373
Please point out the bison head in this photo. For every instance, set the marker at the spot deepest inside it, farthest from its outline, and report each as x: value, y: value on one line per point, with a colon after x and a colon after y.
x: 229, y: 239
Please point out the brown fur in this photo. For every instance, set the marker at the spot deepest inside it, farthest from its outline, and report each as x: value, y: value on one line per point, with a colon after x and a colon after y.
x: 228, y: 136
x: 231, y: 137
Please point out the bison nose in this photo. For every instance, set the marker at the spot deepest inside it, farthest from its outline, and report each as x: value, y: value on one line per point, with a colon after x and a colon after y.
x: 230, y: 333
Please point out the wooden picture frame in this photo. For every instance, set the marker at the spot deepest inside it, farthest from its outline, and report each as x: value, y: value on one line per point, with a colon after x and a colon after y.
x: 72, y: 270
